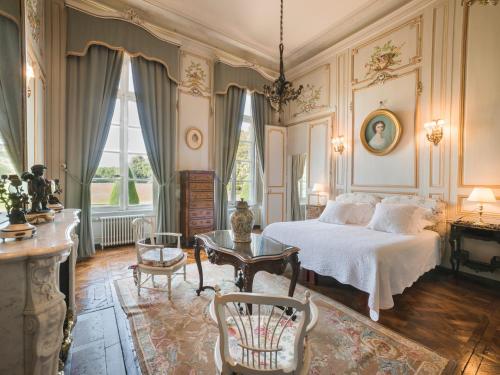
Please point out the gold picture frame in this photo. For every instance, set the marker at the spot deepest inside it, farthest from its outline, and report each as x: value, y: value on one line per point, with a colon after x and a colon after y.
x: 372, y: 132
x: 194, y: 138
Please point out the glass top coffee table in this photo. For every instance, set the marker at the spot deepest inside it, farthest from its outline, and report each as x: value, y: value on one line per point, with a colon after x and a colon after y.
x: 261, y: 254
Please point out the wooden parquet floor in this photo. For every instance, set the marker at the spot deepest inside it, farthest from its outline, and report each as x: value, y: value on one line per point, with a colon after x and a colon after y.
x: 458, y: 317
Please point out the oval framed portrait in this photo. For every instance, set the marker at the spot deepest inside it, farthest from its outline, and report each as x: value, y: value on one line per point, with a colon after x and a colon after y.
x: 194, y: 138
x: 380, y: 132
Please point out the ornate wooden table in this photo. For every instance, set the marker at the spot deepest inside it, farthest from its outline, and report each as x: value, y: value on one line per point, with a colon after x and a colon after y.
x: 262, y: 254
x: 485, y: 232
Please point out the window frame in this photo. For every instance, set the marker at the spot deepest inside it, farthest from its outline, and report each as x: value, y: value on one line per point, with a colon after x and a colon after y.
x: 253, y: 164
x: 125, y: 96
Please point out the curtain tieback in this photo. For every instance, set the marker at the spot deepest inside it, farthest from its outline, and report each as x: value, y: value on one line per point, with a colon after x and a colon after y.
x: 73, y: 177
x: 169, y: 181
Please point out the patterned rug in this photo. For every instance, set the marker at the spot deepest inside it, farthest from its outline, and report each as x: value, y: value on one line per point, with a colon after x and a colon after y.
x: 178, y: 337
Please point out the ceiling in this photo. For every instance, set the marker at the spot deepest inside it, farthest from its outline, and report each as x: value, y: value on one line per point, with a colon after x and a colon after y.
x: 251, y: 28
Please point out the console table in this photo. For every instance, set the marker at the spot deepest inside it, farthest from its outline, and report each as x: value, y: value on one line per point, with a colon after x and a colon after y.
x: 32, y: 307
x: 485, y: 232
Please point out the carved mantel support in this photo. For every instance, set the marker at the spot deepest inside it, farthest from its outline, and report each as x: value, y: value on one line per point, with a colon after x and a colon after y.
x: 32, y: 307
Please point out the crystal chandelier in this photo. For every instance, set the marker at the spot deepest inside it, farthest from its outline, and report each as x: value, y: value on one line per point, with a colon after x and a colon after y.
x: 281, y: 91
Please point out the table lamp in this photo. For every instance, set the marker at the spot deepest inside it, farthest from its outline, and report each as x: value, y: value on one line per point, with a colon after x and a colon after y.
x: 481, y: 195
x: 317, y: 189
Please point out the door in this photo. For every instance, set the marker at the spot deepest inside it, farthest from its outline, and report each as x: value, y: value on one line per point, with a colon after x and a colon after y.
x: 275, y: 175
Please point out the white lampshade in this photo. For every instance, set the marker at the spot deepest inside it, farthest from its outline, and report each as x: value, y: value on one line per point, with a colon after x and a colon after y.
x: 483, y: 195
x: 318, y: 188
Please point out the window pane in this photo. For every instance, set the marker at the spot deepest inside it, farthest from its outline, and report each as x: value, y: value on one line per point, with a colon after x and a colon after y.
x: 246, y: 132
x: 105, y: 192
x: 135, y: 141
x: 243, y: 152
x: 248, y: 105
x: 6, y: 166
x: 243, y: 171
x: 243, y: 190
x: 140, y: 192
x: 230, y: 191
x: 133, y: 115
x: 109, y: 167
x: 139, y: 167
x: 113, y: 141
x: 116, y: 114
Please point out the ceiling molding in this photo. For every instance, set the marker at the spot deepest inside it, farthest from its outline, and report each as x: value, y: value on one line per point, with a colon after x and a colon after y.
x: 397, y: 16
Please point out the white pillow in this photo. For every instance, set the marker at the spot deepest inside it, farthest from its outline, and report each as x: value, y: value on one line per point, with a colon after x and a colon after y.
x: 397, y: 218
x: 336, y: 212
x: 347, y: 213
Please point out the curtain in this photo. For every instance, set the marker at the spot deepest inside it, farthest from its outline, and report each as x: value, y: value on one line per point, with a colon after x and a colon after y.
x: 229, y: 116
x: 298, y: 163
x: 11, y: 83
x: 262, y: 116
x: 156, y: 103
x: 91, y: 95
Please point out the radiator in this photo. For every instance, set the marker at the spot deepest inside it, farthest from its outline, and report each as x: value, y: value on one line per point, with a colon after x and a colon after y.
x: 117, y: 230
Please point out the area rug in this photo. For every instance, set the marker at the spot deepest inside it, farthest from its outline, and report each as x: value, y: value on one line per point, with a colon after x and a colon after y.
x: 177, y: 337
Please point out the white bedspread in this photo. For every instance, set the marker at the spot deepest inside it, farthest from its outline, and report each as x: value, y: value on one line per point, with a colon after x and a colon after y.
x: 381, y: 264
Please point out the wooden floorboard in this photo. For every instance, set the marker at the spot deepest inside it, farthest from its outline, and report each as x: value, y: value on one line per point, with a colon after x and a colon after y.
x: 456, y: 316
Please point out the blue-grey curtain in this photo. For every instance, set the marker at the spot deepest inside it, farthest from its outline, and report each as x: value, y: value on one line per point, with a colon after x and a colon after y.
x: 229, y: 110
x: 298, y: 163
x: 261, y: 114
x: 92, y: 85
x: 156, y: 103
x: 11, y: 84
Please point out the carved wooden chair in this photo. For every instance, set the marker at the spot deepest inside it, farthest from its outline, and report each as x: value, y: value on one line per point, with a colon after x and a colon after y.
x: 270, y: 340
x: 155, y: 258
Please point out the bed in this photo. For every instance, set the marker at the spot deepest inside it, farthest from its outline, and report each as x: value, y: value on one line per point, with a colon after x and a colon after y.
x: 378, y: 263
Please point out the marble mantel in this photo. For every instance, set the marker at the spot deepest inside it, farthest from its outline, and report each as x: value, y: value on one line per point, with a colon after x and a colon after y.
x: 32, y: 308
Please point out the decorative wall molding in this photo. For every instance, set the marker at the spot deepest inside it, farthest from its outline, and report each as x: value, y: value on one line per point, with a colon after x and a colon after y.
x: 416, y: 116
x: 315, y: 97
x: 386, y: 54
x: 463, y: 101
x: 196, y: 74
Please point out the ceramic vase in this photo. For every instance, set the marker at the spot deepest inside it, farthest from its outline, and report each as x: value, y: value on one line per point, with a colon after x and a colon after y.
x: 242, y: 222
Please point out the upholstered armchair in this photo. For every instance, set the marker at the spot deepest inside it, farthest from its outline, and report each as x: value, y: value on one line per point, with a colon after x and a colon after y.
x: 270, y: 340
x: 154, y: 258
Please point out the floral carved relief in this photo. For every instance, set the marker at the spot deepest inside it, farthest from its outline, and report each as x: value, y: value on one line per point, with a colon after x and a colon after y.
x: 195, y: 78
x: 382, y: 60
x: 309, y: 100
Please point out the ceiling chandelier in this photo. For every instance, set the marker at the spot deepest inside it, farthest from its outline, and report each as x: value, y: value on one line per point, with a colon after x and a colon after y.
x: 281, y: 91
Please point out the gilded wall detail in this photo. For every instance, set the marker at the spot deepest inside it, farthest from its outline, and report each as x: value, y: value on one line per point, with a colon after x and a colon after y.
x: 195, y: 74
x: 377, y: 60
x: 315, y: 96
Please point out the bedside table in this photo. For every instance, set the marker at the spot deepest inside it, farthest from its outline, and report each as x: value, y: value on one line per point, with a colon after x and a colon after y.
x: 484, y: 232
x: 313, y: 211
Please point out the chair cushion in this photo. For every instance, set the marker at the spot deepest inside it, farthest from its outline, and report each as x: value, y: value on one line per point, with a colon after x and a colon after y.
x: 171, y: 256
x: 287, y: 340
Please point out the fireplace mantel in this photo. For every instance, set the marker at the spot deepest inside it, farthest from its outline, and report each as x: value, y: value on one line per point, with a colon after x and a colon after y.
x: 32, y: 307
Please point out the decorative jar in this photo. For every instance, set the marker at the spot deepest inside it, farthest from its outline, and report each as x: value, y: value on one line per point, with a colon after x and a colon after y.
x: 242, y: 222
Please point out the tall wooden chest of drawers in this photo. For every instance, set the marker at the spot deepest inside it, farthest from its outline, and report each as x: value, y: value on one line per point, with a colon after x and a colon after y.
x: 197, y: 204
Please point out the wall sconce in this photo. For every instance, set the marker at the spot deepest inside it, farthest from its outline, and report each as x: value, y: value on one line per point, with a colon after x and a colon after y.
x: 434, y: 131
x: 338, y: 144
x: 30, y: 74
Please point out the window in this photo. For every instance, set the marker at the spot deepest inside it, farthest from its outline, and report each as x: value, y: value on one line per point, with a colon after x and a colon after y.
x: 124, y: 179
x: 6, y: 166
x: 242, y: 183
